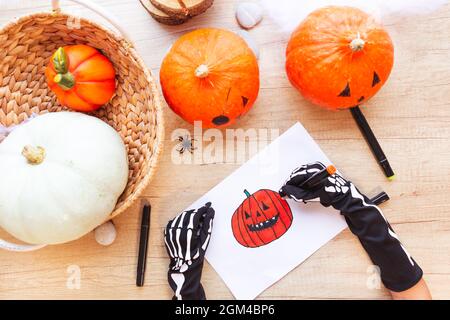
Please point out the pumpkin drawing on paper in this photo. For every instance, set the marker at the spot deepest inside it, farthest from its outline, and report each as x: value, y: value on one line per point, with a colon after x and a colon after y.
x: 261, y: 218
x: 339, y: 57
x: 210, y: 75
x: 82, y: 78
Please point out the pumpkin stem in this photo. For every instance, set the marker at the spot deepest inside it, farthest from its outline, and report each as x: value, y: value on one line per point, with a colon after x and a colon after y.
x: 202, y: 71
x: 61, y: 64
x: 357, y: 44
x: 247, y: 193
x: 61, y: 61
x: 34, y: 155
x: 66, y: 81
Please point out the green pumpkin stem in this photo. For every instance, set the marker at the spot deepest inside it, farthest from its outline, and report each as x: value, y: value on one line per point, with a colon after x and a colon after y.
x: 247, y: 193
x: 66, y: 81
x: 60, y: 61
x: 61, y: 64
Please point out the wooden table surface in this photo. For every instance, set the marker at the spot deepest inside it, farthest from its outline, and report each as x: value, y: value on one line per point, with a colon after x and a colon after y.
x: 410, y: 116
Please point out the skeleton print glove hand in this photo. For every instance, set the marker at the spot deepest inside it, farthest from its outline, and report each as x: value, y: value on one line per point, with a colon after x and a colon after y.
x: 334, y: 188
x: 187, y: 238
x: 399, y: 271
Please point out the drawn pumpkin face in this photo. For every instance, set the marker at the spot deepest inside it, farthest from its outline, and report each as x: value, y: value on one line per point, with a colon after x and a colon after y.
x: 262, y: 218
x: 339, y: 57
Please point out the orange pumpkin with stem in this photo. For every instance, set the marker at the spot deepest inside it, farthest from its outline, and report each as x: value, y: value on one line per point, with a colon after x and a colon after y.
x: 339, y: 57
x: 210, y: 75
x: 81, y: 77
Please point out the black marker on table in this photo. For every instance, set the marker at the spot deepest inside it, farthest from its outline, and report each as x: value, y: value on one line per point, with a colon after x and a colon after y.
x: 143, y: 245
x: 380, y: 198
x: 372, y: 141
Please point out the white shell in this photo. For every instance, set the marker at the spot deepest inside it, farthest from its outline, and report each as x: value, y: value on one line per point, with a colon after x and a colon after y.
x: 249, y: 14
x: 250, y: 41
x: 105, y: 234
x: 73, y: 190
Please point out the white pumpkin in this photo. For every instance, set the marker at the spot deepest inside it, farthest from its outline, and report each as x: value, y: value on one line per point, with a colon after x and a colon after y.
x: 61, y: 175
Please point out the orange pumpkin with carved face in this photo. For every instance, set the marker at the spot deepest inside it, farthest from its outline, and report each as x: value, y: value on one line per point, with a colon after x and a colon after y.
x: 210, y: 75
x: 339, y: 57
x: 262, y: 218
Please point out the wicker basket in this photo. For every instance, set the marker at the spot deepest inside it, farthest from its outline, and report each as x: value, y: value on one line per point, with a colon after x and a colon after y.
x: 135, y: 111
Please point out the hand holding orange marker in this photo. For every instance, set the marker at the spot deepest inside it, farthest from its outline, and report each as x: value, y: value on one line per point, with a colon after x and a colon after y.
x: 318, y: 177
x: 323, y: 174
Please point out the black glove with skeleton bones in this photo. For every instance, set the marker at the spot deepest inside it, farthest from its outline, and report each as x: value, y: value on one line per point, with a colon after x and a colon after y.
x: 399, y: 271
x: 187, y: 237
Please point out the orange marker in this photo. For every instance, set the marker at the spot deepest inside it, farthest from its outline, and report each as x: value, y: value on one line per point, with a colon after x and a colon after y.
x: 318, y: 177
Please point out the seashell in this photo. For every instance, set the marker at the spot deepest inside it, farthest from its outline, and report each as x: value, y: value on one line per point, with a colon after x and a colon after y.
x: 248, y: 14
x: 105, y: 234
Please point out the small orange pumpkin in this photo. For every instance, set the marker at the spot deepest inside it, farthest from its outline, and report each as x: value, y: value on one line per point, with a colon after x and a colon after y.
x: 339, y: 57
x: 210, y: 75
x: 81, y: 77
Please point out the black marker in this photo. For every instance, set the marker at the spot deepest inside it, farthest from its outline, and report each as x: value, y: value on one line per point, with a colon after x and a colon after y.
x: 372, y: 141
x: 380, y: 198
x: 143, y: 245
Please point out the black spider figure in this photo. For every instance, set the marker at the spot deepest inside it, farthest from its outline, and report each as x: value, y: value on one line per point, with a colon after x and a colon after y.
x: 185, y: 143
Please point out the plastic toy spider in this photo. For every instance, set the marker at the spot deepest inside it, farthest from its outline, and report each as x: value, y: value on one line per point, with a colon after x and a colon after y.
x: 185, y: 143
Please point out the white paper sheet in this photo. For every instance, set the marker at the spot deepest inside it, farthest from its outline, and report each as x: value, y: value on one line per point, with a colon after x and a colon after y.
x: 249, y: 271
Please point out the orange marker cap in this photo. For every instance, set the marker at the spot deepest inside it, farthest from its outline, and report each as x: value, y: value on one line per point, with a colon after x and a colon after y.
x: 331, y: 170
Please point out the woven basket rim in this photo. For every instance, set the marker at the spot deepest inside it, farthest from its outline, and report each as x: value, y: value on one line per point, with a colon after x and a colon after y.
x: 160, y: 132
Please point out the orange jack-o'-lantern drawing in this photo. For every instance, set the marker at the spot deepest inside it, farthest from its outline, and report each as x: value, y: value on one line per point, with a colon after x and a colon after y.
x: 261, y: 218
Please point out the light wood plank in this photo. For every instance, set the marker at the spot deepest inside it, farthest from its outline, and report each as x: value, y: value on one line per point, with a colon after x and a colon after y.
x: 410, y: 116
